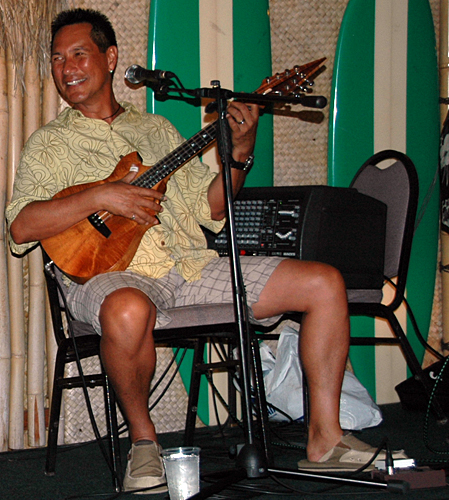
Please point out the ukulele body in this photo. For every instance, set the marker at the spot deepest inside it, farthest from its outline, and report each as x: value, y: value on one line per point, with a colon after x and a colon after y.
x: 82, y: 251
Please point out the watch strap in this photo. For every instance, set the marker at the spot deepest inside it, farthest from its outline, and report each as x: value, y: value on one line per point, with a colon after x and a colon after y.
x: 244, y: 166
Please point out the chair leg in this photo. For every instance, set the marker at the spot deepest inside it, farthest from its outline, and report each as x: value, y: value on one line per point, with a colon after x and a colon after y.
x: 194, y: 392
x: 261, y: 401
x: 113, y: 438
x: 305, y: 398
x: 414, y: 365
x: 55, y: 412
x: 232, y: 391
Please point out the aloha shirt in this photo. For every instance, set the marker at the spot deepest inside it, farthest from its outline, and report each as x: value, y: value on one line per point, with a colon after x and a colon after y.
x: 73, y: 149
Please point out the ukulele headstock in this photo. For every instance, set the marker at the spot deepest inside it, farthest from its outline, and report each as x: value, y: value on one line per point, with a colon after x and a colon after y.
x: 293, y: 82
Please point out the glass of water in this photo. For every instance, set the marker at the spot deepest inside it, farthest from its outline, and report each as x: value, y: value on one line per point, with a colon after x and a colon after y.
x: 182, y: 469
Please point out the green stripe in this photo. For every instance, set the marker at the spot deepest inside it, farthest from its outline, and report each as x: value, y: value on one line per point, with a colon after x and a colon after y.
x: 174, y: 45
x: 178, y: 52
x: 352, y: 100
x: 351, y: 135
x: 422, y: 147
x: 252, y: 63
x: 170, y: 49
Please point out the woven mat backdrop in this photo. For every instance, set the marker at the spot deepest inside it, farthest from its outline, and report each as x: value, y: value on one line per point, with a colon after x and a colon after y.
x: 301, y: 31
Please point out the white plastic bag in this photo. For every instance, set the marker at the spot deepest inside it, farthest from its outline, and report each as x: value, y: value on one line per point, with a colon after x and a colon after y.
x: 283, y: 387
x: 357, y: 409
x: 283, y: 382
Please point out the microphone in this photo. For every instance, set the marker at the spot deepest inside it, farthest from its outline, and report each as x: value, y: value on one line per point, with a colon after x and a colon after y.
x: 136, y: 74
x: 314, y: 101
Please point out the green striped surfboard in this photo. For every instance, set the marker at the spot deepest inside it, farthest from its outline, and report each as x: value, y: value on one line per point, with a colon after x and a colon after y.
x: 205, y: 40
x: 385, y: 96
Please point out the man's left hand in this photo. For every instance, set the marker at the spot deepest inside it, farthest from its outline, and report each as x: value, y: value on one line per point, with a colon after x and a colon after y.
x: 243, y: 119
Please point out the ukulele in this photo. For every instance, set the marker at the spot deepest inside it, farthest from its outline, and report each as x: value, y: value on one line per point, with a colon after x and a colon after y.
x: 104, y: 242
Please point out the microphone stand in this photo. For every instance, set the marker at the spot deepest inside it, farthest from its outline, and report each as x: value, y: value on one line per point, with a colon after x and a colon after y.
x: 252, y: 462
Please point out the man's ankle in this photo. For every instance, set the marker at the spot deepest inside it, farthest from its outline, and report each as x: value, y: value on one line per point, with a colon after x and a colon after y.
x: 319, y: 445
x: 142, y: 442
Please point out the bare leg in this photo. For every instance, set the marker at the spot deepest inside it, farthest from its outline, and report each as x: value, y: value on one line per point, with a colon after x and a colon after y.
x: 319, y: 291
x: 127, y: 318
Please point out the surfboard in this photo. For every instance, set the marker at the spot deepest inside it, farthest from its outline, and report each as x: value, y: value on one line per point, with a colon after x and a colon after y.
x: 385, y: 96
x: 205, y: 40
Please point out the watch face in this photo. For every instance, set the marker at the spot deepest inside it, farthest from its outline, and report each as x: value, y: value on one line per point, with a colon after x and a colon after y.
x: 248, y: 163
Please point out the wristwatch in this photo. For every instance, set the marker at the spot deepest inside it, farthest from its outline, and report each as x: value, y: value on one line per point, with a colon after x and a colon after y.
x: 245, y: 166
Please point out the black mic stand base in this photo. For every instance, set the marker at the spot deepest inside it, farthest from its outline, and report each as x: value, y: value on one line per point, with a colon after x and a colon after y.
x: 251, y: 465
x: 252, y: 459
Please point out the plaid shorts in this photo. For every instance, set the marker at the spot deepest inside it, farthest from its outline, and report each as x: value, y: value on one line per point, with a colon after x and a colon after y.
x: 172, y: 290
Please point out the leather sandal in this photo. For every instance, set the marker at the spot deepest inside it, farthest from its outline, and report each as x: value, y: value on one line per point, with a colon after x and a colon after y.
x: 349, y: 454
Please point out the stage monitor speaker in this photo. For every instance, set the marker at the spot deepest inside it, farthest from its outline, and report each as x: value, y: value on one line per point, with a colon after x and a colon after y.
x: 338, y: 226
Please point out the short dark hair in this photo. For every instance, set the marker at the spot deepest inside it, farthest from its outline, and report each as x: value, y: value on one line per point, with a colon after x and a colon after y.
x: 102, y: 33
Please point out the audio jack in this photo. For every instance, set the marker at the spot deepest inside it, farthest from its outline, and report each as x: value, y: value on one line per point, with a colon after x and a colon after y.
x: 389, y: 466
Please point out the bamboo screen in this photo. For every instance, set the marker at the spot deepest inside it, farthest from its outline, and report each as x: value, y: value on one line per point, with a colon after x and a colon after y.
x: 302, y: 30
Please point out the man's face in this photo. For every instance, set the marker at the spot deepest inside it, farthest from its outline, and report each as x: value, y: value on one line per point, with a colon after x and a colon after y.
x: 79, y: 69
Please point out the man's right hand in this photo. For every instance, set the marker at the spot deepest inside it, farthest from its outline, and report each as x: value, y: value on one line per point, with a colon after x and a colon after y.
x: 43, y: 219
x: 136, y: 203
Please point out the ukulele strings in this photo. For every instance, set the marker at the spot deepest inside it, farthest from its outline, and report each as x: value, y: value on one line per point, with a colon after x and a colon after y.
x: 170, y: 163
x: 177, y: 157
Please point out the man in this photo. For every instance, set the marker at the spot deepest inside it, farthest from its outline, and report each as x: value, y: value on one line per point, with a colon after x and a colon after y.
x: 172, y: 265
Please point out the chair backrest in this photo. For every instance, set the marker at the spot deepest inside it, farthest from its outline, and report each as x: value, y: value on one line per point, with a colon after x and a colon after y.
x: 55, y: 289
x: 54, y: 299
x: 395, y: 183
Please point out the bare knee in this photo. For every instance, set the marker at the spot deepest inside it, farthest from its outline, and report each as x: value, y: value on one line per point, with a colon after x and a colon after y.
x: 327, y: 283
x: 126, y: 311
x: 301, y: 286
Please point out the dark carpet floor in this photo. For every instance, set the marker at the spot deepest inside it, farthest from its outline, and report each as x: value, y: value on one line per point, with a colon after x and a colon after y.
x: 82, y: 473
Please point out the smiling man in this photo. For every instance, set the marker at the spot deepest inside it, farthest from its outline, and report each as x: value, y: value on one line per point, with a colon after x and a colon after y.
x: 80, y: 70
x: 172, y: 265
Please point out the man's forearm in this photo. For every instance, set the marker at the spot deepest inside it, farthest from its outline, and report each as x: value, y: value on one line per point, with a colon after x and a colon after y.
x: 216, y: 195
x: 43, y: 219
